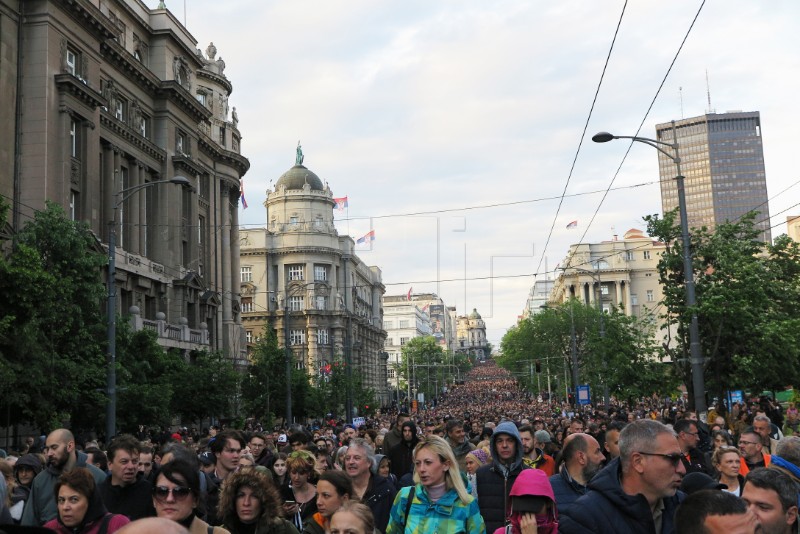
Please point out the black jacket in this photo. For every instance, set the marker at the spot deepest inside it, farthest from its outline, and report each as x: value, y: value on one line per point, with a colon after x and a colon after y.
x: 134, y: 501
x: 379, y: 498
x: 607, y: 509
x: 494, y: 481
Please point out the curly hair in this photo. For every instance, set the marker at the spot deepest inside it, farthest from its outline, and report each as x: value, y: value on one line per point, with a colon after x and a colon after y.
x: 263, y: 490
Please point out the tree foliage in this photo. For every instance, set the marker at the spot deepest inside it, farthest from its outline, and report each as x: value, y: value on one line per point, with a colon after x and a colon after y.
x: 52, y: 356
x: 748, y: 304
x: 625, y: 358
x: 429, y: 367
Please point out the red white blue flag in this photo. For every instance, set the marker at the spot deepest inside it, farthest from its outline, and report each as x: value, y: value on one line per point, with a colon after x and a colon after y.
x: 241, y: 193
x: 572, y: 225
x: 341, y: 203
x: 368, y: 237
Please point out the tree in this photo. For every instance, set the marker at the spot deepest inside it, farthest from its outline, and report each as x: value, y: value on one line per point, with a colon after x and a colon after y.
x: 51, y: 330
x: 421, y: 361
x: 748, y: 300
x: 625, y: 357
x: 208, y: 387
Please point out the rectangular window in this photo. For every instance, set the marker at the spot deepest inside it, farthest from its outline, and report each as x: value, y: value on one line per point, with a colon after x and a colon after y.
x: 73, y: 205
x: 321, y: 302
x: 296, y: 303
x: 72, y: 61
x: 296, y: 272
x: 390, y: 373
x: 321, y: 273
x: 322, y: 336
x: 247, y: 305
x: 293, y: 221
x: 629, y: 255
x: 222, y: 135
x: 201, y: 97
x: 388, y: 325
x: 297, y: 337
x: 181, y: 143
x: 73, y: 138
x: 144, y: 126
x: 248, y: 335
x: 634, y: 299
x: 404, y: 323
x: 247, y: 273
x: 647, y: 254
x: 650, y: 296
x: 404, y: 340
x: 604, y: 290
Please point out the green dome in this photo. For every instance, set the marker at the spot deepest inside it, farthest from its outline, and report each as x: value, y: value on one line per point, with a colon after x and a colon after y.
x: 474, y: 314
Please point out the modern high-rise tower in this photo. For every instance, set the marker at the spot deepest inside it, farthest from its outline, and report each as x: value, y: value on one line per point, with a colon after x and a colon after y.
x: 722, y: 159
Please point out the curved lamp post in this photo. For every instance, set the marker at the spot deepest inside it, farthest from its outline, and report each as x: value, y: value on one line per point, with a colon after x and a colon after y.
x: 696, y: 355
x: 111, y: 329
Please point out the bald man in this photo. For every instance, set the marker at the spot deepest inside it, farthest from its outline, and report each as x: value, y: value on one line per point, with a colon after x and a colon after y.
x: 62, y: 457
x: 153, y: 525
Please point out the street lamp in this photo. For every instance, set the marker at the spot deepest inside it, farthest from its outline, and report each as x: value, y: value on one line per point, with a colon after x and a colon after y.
x: 697, y: 361
x: 111, y: 331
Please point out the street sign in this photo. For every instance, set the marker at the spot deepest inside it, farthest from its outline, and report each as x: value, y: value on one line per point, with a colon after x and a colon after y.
x: 584, y: 396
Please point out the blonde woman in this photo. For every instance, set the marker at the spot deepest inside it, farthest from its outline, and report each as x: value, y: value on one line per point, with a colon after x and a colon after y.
x: 439, y: 501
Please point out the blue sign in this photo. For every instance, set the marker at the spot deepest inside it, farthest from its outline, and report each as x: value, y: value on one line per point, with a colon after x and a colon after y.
x: 735, y: 396
x: 584, y: 395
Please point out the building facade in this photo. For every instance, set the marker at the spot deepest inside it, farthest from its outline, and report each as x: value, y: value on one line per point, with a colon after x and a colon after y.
x: 302, y: 279
x: 722, y: 160
x: 471, y: 336
x: 622, y: 273
x: 403, y: 320
x: 104, y: 96
x: 538, y: 296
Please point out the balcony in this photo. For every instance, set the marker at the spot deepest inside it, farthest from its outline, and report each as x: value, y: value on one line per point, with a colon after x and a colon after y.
x: 178, y: 336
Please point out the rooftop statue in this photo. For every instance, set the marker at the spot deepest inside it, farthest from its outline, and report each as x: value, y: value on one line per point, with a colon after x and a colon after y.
x: 298, y: 160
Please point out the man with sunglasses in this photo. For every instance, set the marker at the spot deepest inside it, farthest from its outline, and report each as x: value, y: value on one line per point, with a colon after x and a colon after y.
x: 637, y: 492
x: 694, y: 461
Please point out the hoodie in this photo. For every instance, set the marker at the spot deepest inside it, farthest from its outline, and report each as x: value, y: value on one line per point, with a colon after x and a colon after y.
x: 401, y: 455
x: 533, y: 483
x: 494, y: 481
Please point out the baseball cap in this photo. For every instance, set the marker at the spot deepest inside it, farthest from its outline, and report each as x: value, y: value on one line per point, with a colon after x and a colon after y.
x: 699, y: 481
x: 207, y: 458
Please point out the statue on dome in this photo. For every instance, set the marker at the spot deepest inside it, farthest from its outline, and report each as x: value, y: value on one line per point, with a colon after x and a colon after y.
x: 298, y: 160
x: 211, y: 51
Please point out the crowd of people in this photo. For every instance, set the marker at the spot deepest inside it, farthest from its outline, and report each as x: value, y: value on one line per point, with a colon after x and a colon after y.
x: 487, y: 457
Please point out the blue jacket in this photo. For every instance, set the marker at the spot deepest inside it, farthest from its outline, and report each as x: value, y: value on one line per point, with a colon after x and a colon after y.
x: 566, y: 490
x: 607, y: 509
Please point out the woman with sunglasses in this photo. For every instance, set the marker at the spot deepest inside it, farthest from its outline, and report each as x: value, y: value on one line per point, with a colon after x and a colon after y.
x: 176, y: 495
x: 80, y: 507
x: 439, y: 501
x: 726, y: 461
x: 250, y: 504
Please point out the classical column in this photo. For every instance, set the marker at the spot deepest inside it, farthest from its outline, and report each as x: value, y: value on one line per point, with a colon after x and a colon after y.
x: 133, y: 209
x: 143, y: 222
x: 227, y: 309
x: 618, y: 291
x: 236, y: 276
x: 628, y: 309
x: 108, y: 189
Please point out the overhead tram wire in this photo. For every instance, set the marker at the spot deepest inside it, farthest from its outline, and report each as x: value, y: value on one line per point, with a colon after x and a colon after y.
x: 583, y: 136
x: 641, y: 124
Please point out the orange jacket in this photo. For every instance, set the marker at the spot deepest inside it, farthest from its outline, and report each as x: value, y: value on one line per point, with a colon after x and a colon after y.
x: 743, y: 469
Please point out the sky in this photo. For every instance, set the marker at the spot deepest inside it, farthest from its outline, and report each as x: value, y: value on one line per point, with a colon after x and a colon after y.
x: 454, y: 127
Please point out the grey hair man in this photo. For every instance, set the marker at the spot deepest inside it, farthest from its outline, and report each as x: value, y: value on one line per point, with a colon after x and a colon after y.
x: 637, y: 492
x: 372, y: 489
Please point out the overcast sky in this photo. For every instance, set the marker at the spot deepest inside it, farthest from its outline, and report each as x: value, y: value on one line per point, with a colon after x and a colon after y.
x: 426, y: 106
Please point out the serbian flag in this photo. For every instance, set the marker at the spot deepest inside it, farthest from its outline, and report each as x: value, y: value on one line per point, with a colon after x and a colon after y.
x: 408, y: 297
x: 241, y: 193
x: 572, y: 225
x: 341, y: 203
x: 368, y: 237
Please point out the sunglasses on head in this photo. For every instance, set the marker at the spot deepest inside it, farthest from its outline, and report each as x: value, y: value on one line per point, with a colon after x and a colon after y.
x: 179, y: 493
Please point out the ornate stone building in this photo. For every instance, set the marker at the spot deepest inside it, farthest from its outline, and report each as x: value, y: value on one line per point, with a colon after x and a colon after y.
x: 301, y: 278
x: 101, y: 96
x: 471, y: 335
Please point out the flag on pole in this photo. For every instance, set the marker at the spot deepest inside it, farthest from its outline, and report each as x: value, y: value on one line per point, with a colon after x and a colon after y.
x: 572, y: 225
x: 408, y: 297
x: 241, y: 193
x: 341, y: 203
x: 368, y: 237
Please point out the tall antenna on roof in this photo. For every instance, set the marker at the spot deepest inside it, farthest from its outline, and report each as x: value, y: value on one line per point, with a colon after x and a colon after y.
x: 708, y: 93
x: 680, y: 95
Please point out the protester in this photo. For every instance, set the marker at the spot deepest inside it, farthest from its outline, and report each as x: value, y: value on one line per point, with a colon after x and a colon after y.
x: 300, y: 496
x: 533, y: 505
x: 250, y: 504
x: 80, y: 507
x: 353, y: 518
x: 334, y: 489
x: 176, y: 496
x: 714, y: 512
x: 772, y: 496
x: 439, y: 501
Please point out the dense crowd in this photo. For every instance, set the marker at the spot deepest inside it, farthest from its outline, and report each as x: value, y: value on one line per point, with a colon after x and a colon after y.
x: 487, y: 456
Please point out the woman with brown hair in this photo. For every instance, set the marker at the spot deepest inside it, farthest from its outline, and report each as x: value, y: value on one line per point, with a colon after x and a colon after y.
x: 334, y: 489
x: 300, y: 496
x: 250, y: 504
x: 176, y: 496
x: 80, y: 507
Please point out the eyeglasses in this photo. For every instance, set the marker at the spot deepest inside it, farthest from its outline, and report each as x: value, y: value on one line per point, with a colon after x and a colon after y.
x: 673, y: 458
x: 179, y: 493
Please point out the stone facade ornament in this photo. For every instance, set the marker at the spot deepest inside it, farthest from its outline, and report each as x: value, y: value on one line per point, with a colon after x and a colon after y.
x: 298, y: 159
x: 211, y: 51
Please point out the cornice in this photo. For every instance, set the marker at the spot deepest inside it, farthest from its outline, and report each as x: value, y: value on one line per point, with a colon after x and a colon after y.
x: 216, y: 78
x: 67, y: 83
x: 186, y: 163
x: 91, y: 18
x: 128, y: 65
x: 221, y: 155
x: 173, y: 91
x: 126, y: 132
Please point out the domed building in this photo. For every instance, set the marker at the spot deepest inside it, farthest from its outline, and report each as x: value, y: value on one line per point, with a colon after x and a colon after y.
x: 471, y: 335
x: 301, y: 278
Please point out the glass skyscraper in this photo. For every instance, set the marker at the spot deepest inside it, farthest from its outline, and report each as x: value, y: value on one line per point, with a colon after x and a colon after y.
x: 722, y: 160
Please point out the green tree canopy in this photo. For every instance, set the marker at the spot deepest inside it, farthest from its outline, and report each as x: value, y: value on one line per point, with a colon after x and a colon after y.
x: 748, y: 304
